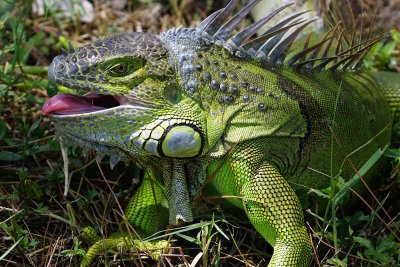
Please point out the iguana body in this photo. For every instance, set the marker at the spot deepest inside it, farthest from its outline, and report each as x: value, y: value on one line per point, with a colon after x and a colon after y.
x: 193, y: 103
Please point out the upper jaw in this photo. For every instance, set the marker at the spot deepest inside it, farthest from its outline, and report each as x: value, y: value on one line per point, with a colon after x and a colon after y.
x: 68, y: 104
x: 74, y: 73
x: 61, y: 71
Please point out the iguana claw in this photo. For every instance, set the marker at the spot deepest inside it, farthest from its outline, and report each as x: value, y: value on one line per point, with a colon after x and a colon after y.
x: 118, y: 244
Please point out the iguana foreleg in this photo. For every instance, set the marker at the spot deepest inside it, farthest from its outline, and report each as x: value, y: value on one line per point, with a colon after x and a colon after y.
x: 270, y: 203
x: 275, y: 211
x: 147, y: 211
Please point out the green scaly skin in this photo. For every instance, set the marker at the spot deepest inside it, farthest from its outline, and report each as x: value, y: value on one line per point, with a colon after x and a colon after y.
x: 184, y: 104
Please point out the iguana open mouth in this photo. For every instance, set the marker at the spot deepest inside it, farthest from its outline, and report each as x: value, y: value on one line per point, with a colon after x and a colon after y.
x: 67, y: 104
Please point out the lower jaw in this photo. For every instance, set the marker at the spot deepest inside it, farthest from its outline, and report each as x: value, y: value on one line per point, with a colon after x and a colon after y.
x: 86, y: 143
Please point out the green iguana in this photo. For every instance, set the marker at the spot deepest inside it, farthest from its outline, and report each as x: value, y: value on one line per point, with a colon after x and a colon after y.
x: 191, y: 103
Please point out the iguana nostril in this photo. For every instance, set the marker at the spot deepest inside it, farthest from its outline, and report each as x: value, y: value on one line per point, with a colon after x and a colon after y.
x: 60, y: 67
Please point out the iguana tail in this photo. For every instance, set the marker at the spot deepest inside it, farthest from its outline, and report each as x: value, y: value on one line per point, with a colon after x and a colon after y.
x: 390, y: 84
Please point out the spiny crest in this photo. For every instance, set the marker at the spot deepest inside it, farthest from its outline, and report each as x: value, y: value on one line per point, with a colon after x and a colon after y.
x: 337, y: 50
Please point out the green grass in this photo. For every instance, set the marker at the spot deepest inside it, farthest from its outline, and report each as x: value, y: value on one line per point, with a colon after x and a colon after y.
x: 39, y: 225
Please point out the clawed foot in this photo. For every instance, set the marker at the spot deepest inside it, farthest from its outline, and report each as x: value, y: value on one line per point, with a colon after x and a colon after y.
x: 119, y: 244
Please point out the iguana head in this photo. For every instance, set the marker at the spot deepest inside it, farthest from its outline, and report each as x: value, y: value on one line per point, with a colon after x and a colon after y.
x: 133, y: 103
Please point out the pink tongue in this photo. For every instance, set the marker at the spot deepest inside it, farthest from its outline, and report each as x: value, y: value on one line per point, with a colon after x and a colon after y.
x: 68, y: 104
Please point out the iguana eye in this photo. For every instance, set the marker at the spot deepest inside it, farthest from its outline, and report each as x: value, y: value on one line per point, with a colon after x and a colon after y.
x: 121, y: 70
x: 123, y: 66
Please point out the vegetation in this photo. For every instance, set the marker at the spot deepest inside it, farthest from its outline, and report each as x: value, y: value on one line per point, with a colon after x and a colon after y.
x: 40, y: 224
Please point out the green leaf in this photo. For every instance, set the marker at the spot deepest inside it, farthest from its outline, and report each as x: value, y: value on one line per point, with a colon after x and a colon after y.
x: 338, y: 262
x: 388, y: 49
x: 3, y: 129
x: 395, y: 35
x: 384, y: 245
x: 10, y: 249
x: 179, y: 230
x: 359, y: 217
x: 29, y: 187
x: 338, y: 198
x: 188, y: 238
x: 364, y: 242
x: 375, y: 48
x: 34, y: 126
x: 380, y: 252
x: 221, y: 232
x: 392, y: 153
x: 319, y: 193
x: 52, y: 88
x: 9, y: 156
